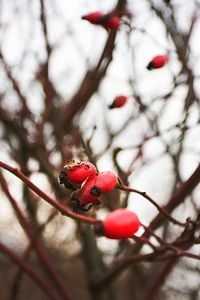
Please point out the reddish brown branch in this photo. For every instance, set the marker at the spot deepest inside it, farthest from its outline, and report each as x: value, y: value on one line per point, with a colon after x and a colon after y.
x: 16, y: 87
x: 92, y: 79
x: 44, y: 27
x: 19, y: 275
x: 45, y: 261
x: 179, y: 196
x: 153, y: 290
x: 65, y: 211
x: 30, y: 272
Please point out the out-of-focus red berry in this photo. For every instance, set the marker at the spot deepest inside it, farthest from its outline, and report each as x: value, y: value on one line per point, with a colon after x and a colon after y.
x: 158, y: 62
x: 119, y: 224
x: 93, y: 17
x: 113, y: 23
x: 118, y: 102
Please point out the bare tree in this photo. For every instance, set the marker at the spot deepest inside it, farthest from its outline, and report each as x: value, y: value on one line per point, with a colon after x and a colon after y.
x: 58, y: 76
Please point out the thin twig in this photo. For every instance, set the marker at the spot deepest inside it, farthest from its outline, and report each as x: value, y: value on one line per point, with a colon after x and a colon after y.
x: 146, y: 196
x: 33, y: 274
x: 64, y: 211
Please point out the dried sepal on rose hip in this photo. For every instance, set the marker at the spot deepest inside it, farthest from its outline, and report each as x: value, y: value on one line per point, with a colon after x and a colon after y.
x: 82, y: 199
x: 118, y: 224
x: 158, y: 62
x: 86, y: 193
x: 75, y: 173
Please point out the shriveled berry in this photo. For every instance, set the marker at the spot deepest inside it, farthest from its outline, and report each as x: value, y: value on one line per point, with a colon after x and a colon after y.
x: 118, y: 102
x: 76, y: 172
x: 158, y: 62
x: 119, y: 224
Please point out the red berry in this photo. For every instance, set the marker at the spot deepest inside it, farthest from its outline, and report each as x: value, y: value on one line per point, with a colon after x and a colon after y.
x: 105, y: 182
x: 86, y: 195
x: 158, y: 62
x: 113, y: 23
x: 76, y: 172
x: 95, y: 186
x: 119, y: 101
x: 119, y: 224
x: 93, y: 17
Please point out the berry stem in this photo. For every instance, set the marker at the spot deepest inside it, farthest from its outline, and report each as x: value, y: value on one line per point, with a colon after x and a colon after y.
x: 123, y: 187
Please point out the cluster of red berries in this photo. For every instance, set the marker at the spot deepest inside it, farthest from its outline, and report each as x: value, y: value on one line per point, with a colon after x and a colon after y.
x: 109, y: 21
x: 88, y: 185
x: 82, y: 177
